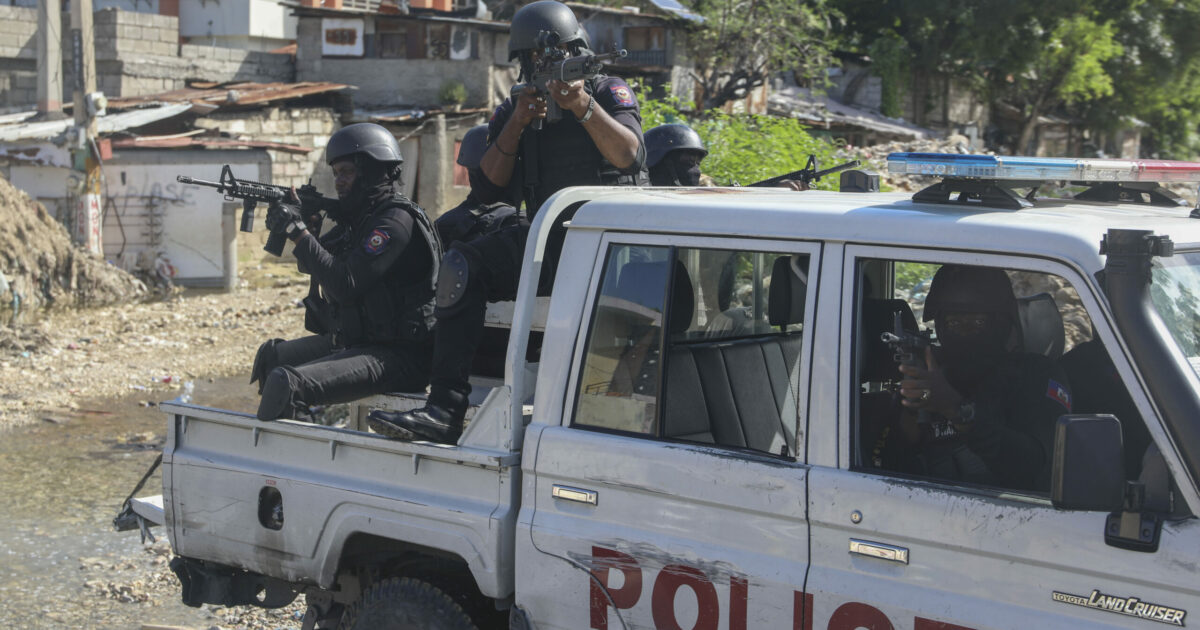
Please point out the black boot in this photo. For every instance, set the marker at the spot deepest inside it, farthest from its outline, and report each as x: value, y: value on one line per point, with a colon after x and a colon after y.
x: 432, y: 422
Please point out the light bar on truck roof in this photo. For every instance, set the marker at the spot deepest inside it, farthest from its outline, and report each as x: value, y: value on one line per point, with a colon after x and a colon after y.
x: 1036, y: 168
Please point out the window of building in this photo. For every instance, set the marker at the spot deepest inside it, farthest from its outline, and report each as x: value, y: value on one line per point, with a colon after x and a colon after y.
x: 697, y: 345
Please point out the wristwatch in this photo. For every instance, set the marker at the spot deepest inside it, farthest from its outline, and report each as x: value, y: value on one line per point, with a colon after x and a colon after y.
x: 591, y: 107
x: 966, y: 412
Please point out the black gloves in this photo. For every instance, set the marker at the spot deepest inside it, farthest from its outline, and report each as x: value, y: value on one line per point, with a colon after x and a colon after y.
x: 286, y: 219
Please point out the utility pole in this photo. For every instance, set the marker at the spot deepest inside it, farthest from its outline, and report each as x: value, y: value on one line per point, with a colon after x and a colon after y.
x: 88, y: 104
x: 49, y: 59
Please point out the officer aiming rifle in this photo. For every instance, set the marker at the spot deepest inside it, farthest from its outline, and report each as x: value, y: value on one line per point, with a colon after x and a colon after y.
x: 807, y: 175
x: 555, y: 63
x: 253, y: 193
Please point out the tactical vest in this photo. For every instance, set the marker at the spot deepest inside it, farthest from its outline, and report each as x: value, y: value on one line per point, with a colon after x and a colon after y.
x: 562, y: 154
x: 401, y: 309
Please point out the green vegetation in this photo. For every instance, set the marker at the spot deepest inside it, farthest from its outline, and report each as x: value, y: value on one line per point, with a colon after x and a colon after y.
x: 453, y: 93
x: 744, y: 149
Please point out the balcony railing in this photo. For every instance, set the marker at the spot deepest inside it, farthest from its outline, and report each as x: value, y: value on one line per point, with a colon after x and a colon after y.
x: 647, y: 58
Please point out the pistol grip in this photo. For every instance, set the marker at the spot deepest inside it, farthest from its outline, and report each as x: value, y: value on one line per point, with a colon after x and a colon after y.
x: 553, y: 111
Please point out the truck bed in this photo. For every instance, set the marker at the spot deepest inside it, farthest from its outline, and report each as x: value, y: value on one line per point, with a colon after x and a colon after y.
x: 224, y: 473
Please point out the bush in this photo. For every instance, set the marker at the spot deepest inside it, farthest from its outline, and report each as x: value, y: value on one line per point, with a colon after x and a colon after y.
x: 744, y: 148
x: 453, y: 93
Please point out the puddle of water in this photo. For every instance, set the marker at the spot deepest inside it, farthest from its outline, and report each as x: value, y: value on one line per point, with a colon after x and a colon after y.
x: 60, y: 487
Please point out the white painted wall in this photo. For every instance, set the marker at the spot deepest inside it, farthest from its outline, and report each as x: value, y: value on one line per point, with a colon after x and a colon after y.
x: 252, y: 24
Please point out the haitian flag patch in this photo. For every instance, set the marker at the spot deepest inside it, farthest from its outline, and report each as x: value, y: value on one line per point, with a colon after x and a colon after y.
x: 622, y: 94
x: 376, y: 241
x: 1056, y: 392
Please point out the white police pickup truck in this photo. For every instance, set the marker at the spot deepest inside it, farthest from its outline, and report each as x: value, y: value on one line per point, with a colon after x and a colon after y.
x: 708, y: 438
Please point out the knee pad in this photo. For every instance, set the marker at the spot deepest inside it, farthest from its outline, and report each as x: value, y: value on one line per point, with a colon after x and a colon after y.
x: 265, y: 360
x: 278, y: 396
x: 455, y: 276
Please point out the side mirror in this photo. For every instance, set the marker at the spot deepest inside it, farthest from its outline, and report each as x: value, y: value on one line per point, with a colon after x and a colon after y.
x: 1088, y: 469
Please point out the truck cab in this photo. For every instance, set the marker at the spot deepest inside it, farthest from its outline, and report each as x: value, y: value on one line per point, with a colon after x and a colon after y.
x: 711, y: 435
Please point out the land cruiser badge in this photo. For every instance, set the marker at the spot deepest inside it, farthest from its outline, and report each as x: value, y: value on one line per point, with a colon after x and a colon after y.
x: 1129, y: 606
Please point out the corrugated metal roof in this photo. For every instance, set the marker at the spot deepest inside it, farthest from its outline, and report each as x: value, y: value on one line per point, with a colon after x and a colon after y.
x: 824, y: 111
x: 204, y: 142
x: 208, y: 95
x: 675, y: 8
x: 109, y: 123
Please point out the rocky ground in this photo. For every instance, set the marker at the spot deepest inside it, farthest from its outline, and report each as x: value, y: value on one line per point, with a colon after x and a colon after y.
x: 47, y: 366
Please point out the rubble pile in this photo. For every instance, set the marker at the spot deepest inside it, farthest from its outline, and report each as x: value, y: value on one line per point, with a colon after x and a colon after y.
x: 40, y: 267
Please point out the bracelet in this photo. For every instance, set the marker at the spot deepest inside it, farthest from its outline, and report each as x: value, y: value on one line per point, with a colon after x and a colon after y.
x: 502, y: 151
x: 591, y: 106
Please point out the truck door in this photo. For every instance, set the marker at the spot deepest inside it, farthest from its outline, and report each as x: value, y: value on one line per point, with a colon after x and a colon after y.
x: 669, y: 492
x: 920, y: 522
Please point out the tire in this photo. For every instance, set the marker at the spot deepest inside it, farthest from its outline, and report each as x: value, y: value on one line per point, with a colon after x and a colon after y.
x: 405, y: 604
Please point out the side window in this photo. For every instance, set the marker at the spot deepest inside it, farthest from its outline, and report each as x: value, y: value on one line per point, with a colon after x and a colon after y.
x: 621, y: 374
x: 995, y: 357
x: 697, y: 345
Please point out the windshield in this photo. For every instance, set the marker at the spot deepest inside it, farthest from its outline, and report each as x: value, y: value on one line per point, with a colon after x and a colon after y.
x: 1176, y: 296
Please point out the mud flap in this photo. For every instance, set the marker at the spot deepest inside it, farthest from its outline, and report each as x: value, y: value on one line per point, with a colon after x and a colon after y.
x: 208, y: 583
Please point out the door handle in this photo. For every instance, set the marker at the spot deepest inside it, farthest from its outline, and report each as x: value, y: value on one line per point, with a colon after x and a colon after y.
x: 879, y: 550
x: 579, y: 495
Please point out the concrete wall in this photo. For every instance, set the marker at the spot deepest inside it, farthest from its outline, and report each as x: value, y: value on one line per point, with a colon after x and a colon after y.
x: 251, y: 24
x: 136, y: 54
x: 401, y: 81
x: 307, y: 127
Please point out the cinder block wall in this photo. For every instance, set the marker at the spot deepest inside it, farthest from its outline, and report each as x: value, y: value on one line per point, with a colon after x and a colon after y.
x: 306, y: 127
x: 136, y: 54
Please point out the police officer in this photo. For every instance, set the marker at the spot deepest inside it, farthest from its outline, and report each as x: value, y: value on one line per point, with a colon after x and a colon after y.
x: 598, y: 141
x: 372, y: 286
x: 673, y: 155
x: 984, y: 413
x: 473, y: 218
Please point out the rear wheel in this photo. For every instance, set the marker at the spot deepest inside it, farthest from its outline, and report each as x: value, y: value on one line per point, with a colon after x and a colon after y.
x: 405, y: 604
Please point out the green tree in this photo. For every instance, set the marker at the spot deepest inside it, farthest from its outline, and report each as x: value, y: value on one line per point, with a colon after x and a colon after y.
x: 742, y: 41
x: 743, y: 148
x: 1068, y: 67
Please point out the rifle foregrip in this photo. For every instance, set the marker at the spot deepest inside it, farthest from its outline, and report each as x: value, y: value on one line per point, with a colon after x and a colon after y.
x: 247, y: 224
x: 275, y: 243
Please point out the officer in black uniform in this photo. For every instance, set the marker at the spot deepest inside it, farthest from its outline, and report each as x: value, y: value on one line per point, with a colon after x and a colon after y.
x: 473, y: 218
x: 978, y: 411
x: 673, y: 155
x: 372, y: 289
x: 598, y: 141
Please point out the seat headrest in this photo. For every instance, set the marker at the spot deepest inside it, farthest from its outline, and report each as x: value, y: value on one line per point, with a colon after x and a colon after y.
x: 877, y: 363
x: 683, y: 301
x: 642, y: 283
x: 1042, y: 329
x: 789, y: 288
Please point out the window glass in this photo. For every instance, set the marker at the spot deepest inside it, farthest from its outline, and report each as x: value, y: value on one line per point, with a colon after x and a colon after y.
x: 619, y: 388
x: 697, y: 345
x: 1002, y: 353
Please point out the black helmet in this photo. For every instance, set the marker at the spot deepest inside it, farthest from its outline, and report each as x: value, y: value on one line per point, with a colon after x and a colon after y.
x: 548, y: 16
x: 663, y: 139
x: 369, y: 139
x: 966, y: 288
x: 474, y: 144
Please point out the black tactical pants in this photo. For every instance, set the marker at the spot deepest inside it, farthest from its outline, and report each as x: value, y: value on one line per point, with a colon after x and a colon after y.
x: 493, y: 272
x: 309, y: 371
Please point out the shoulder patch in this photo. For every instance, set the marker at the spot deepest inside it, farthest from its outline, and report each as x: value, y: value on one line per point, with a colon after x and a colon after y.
x: 1059, y: 394
x: 622, y: 94
x: 376, y: 241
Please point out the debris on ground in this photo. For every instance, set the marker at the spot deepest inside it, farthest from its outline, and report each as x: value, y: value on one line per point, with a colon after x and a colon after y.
x: 41, y: 268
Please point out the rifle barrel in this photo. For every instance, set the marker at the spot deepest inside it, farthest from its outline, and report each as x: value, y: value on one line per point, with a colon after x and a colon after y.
x: 184, y: 179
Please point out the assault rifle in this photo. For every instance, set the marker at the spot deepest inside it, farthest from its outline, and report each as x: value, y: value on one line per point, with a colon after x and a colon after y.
x: 555, y: 64
x: 809, y: 174
x: 251, y: 193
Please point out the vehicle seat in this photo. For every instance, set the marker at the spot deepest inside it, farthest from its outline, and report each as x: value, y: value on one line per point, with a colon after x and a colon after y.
x: 1042, y: 329
x: 741, y: 392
